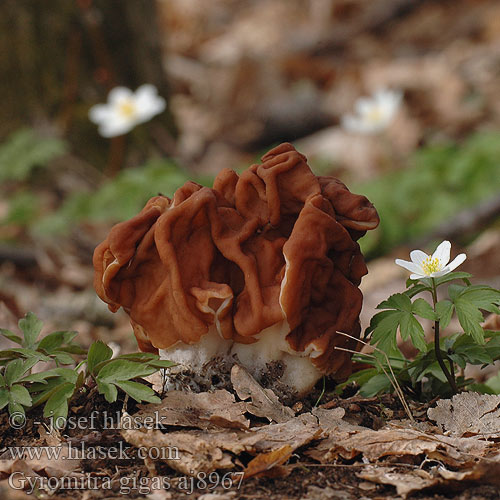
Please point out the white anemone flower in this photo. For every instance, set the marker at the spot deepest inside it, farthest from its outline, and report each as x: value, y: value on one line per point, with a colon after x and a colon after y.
x: 431, y: 266
x: 126, y: 109
x: 373, y: 114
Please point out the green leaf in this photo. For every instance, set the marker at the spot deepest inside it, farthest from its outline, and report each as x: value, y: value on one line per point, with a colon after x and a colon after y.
x: 57, y: 405
x: 410, y: 326
x: 98, y: 352
x: 2, y: 381
x: 17, y: 410
x: 138, y: 391
x: 376, y: 385
x: 416, y: 288
x: 444, y: 310
x: 17, y: 352
x: 423, y: 309
x: 384, y: 327
x: 19, y: 394
x: 398, y: 301
x: 161, y: 363
x: 452, y: 276
x: 119, y: 369
x: 470, y: 318
x: 109, y: 390
x: 55, y: 340
x: 11, y: 336
x: 4, y: 398
x: 63, y: 357
x: 16, y: 369
x: 31, y: 326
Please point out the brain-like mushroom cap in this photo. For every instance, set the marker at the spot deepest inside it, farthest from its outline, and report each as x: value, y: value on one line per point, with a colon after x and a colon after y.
x: 275, y: 244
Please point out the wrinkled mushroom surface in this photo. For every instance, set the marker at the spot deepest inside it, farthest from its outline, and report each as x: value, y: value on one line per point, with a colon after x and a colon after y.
x: 264, y: 265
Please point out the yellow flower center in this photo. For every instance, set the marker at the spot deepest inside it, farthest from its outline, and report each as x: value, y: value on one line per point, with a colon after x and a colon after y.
x: 374, y: 115
x: 127, y: 108
x: 430, y: 265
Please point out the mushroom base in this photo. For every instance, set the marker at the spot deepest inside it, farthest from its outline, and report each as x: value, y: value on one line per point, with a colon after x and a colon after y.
x: 270, y: 360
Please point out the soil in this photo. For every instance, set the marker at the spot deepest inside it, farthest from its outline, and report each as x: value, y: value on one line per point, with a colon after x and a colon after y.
x: 300, y: 478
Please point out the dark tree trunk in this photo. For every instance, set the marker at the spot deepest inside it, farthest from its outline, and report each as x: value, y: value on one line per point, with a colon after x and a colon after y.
x: 57, y: 58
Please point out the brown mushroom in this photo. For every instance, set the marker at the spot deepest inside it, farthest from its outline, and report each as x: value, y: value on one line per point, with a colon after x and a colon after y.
x: 263, y: 267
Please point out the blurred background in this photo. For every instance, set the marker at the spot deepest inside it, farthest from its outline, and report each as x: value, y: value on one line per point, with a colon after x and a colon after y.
x: 238, y: 77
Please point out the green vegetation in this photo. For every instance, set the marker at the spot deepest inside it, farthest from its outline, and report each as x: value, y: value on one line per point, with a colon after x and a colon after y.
x: 23, y: 388
x: 433, y: 372
x: 440, y: 181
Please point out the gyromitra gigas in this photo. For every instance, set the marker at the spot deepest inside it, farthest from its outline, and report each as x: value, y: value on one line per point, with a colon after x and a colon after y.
x: 263, y: 267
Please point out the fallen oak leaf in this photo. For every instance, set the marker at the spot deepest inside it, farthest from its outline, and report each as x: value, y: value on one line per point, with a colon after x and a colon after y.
x: 264, y: 403
x: 203, y: 410
x: 265, y: 462
x: 468, y: 413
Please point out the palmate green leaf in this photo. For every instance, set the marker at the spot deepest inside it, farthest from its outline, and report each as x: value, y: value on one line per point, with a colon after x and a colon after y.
x: 452, y: 276
x: 120, y: 369
x: 57, y: 404
x: 377, y: 384
x: 410, y: 327
x: 109, y: 390
x: 470, y: 318
x: 23, y: 352
x: 31, y: 327
x: 4, y: 398
x: 98, y: 353
x: 16, y: 369
x: 444, y: 309
x: 139, y: 392
x: 161, y: 363
x: 383, y: 328
x: 423, y: 309
x: 414, y: 288
x: 55, y: 340
x: 398, y: 301
x: 17, y: 410
x: 19, y: 394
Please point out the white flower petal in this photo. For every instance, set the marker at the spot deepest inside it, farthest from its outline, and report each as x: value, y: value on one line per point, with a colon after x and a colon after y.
x: 118, y: 95
x: 442, y: 253
x: 417, y: 276
x: 116, y: 126
x: 100, y: 113
x: 410, y: 266
x: 418, y: 257
x: 456, y: 262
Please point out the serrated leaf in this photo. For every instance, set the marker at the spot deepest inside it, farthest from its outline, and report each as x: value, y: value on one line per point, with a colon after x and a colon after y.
x: 377, y: 384
x: 139, y: 392
x: 55, y: 340
x: 18, y: 410
x: 56, y: 406
x: 423, y: 309
x: 17, y: 352
x: 416, y: 289
x: 4, y: 398
x: 19, y: 394
x: 14, y: 371
x: 120, y: 369
x: 109, y: 391
x: 409, y: 326
x: 452, y: 276
x: 63, y: 358
x: 385, y: 327
x: 444, y: 309
x: 98, y: 353
x: 470, y: 318
x: 398, y: 301
x: 11, y: 336
x: 31, y: 327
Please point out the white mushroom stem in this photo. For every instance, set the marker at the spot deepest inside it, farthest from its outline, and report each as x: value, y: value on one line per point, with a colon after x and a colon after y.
x: 299, y: 372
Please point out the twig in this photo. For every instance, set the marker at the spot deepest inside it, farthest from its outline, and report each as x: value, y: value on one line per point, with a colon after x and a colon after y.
x: 392, y: 380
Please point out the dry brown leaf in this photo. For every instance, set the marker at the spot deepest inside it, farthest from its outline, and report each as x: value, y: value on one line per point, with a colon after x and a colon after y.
x: 468, y: 413
x: 204, y: 410
x: 405, y: 482
x: 266, y: 461
x: 194, y: 451
x: 374, y: 445
x: 264, y: 402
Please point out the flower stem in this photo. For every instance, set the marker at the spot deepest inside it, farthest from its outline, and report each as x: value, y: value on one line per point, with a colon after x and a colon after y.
x: 437, y: 349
